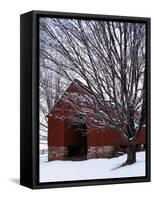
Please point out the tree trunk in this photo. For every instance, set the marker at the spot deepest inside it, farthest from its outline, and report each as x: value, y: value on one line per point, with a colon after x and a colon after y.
x: 131, y: 154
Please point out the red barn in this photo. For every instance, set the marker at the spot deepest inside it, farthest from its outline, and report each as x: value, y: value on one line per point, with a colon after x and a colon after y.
x: 70, y: 136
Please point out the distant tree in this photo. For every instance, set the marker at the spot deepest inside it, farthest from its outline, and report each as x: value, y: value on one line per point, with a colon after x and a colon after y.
x: 52, y: 86
x: 109, y: 58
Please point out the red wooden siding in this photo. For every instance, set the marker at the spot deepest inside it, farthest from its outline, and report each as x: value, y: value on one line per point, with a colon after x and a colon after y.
x: 56, y: 131
x: 106, y: 136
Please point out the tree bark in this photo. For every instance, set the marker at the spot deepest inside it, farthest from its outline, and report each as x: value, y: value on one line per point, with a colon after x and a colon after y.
x: 131, y: 154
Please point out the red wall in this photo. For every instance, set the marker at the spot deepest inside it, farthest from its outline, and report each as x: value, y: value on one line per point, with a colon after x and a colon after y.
x: 55, y: 132
x: 142, y: 137
x: 109, y: 137
x: 61, y: 133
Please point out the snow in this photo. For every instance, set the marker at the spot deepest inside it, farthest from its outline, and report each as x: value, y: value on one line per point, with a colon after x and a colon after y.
x: 90, y: 169
x: 43, y: 146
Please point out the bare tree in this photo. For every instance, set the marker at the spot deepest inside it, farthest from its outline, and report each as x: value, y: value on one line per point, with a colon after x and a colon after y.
x: 52, y: 86
x: 109, y: 57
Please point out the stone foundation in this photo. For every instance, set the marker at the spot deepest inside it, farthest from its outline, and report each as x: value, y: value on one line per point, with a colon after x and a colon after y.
x: 61, y: 153
x: 100, y: 152
x: 57, y: 153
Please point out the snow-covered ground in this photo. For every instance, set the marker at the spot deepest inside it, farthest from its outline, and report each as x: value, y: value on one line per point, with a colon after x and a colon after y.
x: 90, y: 169
x: 43, y: 146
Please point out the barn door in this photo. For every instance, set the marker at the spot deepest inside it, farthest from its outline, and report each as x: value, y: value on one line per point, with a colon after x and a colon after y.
x: 78, y: 151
